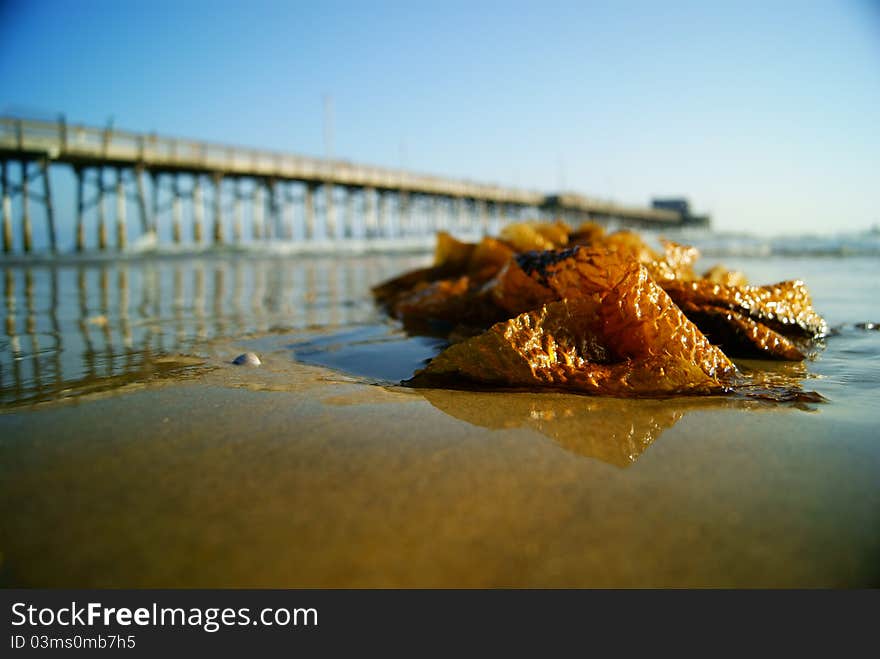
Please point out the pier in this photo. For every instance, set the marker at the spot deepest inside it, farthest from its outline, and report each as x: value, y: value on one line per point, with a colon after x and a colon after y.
x: 190, y: 193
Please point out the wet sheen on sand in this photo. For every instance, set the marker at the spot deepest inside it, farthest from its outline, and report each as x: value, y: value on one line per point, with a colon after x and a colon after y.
x: 296, y: 474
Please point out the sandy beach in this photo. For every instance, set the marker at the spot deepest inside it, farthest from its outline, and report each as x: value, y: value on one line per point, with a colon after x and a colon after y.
x: 317, y: 469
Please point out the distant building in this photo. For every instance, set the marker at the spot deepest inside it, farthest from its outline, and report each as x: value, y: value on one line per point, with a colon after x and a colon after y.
x: 681, y: 206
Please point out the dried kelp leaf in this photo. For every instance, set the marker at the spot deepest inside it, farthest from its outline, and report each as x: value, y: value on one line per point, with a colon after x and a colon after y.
x: 587, y: 234
x: 628, y: 244
x: 557, y: 233
x: 627, y: 340
x: 718, y: 274
x: 452, y: 301
x: 451, y: 253
x: 487, y: 259
x: 515, y: 292
x: 529, y: 236
x: 785, y: 307
x: 763, y: 319
x: 739, y: 335
x: 441, y: 299
x: 388, y: 291
x: 442, y: 290
x: 615, y: 317
x: 676, y: 263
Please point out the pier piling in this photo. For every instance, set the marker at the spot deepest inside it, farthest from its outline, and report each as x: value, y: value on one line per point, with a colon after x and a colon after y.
x: 147, y: 226
x: 287, y: 212
x: 218, y: 209
x: 102, y: 212
x: 348, y: 230
x: 403, y: 208
x: 329, y: 212
x: 50, y: 210
x: 258, y: 210
x: 273, y: 229
x: 176, y: 211
x: 121, y: 231
x: 26, y: 229
x: 6, y: 207
x: 237, y: 213
x: 198, y: 210
x: 80, y: 229
x: 369, y: 211
x: 309, y: 209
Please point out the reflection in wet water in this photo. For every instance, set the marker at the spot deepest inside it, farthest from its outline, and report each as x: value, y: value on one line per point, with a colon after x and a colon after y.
x: 71, y: 327
x: 609, y: 429
x: 613, y: 430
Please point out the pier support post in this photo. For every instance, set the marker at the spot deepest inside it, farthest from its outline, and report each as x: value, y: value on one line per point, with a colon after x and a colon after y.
x: 102, y: 211
x: 369, y: 211
x: 26, y: 230
x: 80, y: 210
x: 482, y: 215
x: 384, y: 229
x: 50, y: 210
x: 309, y: 210
x: 422, y: 219
x: 155, y: 182
x: 403, y: 212
x: 198, y: 210
x: 348, y: 231
x: 120, y: 210
x: 237, y: 213
x: 273, y: 229
x: 176, y: 211
x: 218, y: 209
x: 259, y: 209
x: 416, y: 214
x: 434, y: 201
x: 329, y: 212
x: 6, y: 207
x: 142, y: 199
x: 492, y: 211
x: 287, y: 212
x: 462, y: 213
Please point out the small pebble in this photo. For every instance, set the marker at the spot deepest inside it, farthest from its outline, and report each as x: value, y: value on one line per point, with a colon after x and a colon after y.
x: 247, y: 359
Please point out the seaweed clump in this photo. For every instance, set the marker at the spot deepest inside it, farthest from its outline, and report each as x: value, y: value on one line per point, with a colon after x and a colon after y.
x: 597, y: 313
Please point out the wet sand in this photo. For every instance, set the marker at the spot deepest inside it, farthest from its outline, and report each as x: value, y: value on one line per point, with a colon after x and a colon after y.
x: 291, y: 475
x: 126, y: 463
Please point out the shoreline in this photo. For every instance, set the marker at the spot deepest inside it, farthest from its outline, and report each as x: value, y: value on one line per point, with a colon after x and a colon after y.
x: 296, y: 475
x: 300, y: 476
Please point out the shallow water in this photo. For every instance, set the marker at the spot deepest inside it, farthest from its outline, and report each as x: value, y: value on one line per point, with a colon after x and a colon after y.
x: 76, y: 326
x: 133, y: 453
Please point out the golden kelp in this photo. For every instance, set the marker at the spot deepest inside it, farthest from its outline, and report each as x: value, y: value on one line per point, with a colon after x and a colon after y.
x: 596, y: 313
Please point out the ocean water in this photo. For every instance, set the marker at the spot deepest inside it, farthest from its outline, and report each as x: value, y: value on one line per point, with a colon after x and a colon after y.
x: 74, y: 327
x: 77, y: 325
x: 133, y: 453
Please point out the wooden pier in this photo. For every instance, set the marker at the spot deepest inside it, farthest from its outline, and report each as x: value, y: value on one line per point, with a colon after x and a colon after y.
x: 197, y: 193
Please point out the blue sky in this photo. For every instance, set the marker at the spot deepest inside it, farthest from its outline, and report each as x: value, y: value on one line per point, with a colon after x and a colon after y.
x: 766, y: 114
